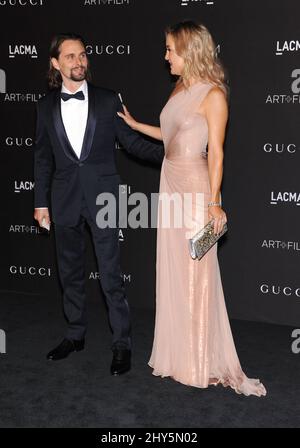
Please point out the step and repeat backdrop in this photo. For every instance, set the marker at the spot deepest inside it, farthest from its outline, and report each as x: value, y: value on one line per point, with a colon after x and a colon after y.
x: 259, y: 44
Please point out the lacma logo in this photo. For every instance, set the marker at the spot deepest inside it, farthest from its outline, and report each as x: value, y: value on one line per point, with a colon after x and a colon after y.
x: 285, y: 197
x: 22, y: 50
x: 2, y: 81
x: 23, y: 185
x: 287, y: 47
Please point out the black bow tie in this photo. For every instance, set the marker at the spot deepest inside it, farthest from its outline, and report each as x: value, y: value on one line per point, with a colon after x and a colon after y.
x: 67, y: 96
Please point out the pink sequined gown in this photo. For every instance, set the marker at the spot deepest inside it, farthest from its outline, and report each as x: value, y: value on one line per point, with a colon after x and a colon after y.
x: 193, y: 342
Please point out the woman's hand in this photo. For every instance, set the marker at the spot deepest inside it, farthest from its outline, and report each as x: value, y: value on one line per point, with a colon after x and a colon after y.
x: 151, y: 131
x: 219, y: 216
x: 128, y: 118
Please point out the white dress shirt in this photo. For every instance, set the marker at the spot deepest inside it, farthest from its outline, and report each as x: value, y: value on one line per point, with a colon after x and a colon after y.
x: 74, y: 116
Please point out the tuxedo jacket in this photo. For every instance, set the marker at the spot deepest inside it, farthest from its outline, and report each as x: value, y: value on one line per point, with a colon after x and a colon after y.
x: 64, y: 180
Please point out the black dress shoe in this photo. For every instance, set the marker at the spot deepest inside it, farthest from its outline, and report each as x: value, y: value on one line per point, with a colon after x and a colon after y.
x: 121, y: 361
x: 66, y: 347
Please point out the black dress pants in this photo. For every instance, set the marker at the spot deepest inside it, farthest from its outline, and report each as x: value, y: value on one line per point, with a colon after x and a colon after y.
x: 70, y: 248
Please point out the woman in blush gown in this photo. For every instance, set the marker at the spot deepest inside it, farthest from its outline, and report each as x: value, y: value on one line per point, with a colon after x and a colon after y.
x: 193, y: 343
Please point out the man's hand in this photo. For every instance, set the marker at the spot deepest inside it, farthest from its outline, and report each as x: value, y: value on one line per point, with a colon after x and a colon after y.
x: 41, y: 214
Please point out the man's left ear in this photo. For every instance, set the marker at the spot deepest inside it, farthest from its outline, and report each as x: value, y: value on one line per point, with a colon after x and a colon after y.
x: 54, y: 63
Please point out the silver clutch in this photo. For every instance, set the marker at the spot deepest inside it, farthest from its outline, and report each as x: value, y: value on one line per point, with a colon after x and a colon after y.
x: 204, y: 240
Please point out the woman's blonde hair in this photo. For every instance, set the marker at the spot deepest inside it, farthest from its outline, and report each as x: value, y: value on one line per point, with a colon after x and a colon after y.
x: 195, y: 45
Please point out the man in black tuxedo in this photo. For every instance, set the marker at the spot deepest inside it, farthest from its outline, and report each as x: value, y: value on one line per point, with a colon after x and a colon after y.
x: 77, y: 126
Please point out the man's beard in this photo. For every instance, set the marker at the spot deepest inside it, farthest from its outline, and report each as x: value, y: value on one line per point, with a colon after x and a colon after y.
x: 78, y: 76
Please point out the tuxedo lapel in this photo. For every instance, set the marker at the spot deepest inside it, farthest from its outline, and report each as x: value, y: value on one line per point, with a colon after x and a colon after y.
x: 90, y: 126
x: 60, y: 129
